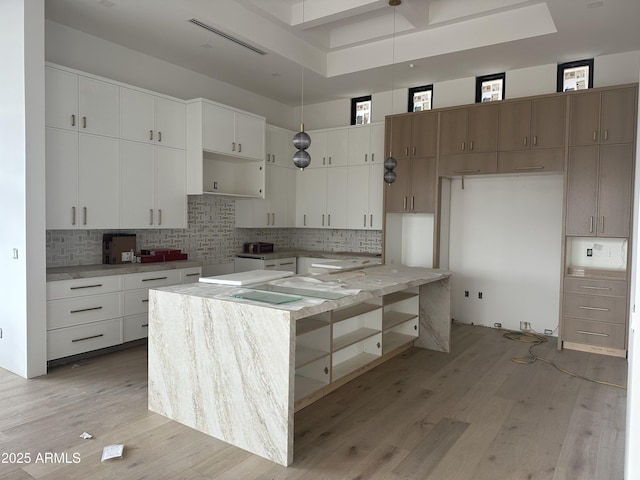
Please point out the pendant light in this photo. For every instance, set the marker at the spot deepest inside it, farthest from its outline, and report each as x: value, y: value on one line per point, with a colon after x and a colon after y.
x: 391, y: 163
x: 302, y: 140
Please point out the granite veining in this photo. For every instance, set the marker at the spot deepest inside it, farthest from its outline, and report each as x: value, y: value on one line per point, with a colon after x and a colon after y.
x: 227, y: 368
x: 73, y: 272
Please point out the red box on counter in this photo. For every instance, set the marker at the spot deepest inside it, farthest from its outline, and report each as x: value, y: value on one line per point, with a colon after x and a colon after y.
x: 151, y: 258
x: 159, y: 251
x: 175, y: 256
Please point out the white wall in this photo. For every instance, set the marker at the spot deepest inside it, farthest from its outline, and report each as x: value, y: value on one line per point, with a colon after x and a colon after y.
x: 505, y: 242
x: 22, y: 187
x: 632, y: 434
x: 79, y: 50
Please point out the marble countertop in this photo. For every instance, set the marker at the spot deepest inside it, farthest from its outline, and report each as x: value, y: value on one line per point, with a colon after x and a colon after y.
x: 102, y: 270
x: 371, y: 282
x: 286, y: 253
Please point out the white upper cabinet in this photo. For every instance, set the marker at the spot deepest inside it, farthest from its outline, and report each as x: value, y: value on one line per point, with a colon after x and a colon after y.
x: 233, y: 133
x: 84, y: 104
x: 329, y: 148
x: 280, y: 147
x: 366, y: 144
x: 152, y: 119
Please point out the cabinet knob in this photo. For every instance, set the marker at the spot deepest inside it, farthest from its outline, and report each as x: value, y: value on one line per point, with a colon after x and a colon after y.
x: 463, y: 146
x: 606, y: 135
x: 404, y: 203
x: 159, y: 216
x: 413, y: 151
x: 365, y: 157
x: 372, y: 155
x: 471, y: 145
x: 406, y: 151
x: 239, y: 147
x: 73, y: 120
x: 365, y: 220
x: 151, y: 216
x: 524, y: 141
x: 84, y: 215
x: 535, y: 140
x: 84, y: 122
x: 326, y: 370
x: 595, y: 136
x: 233, y: 146
x: 159, y: 136
x: 371, y: 221
x: 73, y: 215
x: 150, y: 134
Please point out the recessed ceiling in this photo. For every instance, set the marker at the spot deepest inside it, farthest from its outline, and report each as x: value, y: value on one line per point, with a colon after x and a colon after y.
x: 356, y: 47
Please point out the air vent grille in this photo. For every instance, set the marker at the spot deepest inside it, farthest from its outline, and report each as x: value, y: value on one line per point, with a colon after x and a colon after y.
x: 237, y: 41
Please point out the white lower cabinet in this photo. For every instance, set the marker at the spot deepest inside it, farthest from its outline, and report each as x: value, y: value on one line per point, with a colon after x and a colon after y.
x: 93, y: 313
x: 242, y: 264
x: 334, y: 347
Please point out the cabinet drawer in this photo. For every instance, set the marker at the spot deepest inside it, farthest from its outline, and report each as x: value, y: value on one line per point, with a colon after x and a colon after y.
x: 135, y: 302
x: 161, y: 278
x: 532, y: 161
x: 191, y: 275
x: 75, y: 311
x: 135, y: 327
x: 83, y: 286
x: 472, y: 164
x: 590, y: 286
x: 610, y: 335
x: 606, y: 309
x: 83, y: 338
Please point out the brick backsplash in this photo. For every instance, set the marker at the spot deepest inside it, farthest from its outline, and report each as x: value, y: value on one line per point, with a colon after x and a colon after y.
x: 211, y: 237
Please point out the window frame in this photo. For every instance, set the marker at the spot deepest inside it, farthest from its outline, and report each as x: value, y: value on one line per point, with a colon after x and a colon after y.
x: 578, y: 63
x: 488, y: 78
x: 413, y: 91
x: 354, y: 103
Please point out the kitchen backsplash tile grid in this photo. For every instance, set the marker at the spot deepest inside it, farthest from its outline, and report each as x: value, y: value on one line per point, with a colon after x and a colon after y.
x: 211, y: 237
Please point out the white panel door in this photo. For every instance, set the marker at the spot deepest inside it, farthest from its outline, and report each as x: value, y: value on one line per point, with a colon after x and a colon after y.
x: 136, y: 115
x: 376, y: 144
x: 62, y: 178
x: 61, y: 99
x: 318, y: 149
x: 170, y: 122
x: 98, y: 182
x: 358, y: 197
x: 376, y: 195
x: 137, y: 184
x: 336, y: 196
x: 249, y: 136
x: 98, y: 107
x: 337, y: 147
x: 171, y: 188
x: 311, y: 197
x: 359, y: 145
x: 218, y: 128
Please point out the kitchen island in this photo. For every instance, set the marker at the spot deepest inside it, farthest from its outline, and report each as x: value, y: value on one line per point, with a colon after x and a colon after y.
x: 225, y: 361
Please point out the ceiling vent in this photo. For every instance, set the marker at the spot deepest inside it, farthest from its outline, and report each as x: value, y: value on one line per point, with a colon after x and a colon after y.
x: 197, y: 22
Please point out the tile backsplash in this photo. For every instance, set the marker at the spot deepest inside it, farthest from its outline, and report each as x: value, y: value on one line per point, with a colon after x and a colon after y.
x: 211, y: 237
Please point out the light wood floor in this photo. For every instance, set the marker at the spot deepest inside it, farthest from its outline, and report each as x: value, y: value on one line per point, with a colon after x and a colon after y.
x: 470, y: 414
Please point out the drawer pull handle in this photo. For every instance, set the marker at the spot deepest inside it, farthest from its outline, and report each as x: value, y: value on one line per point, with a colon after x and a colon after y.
x: 533, y: 167
x: 144, y: 325
x: 287, y: 263
x: 589, y: 287
x: 87, y: 338
x: 154, y: 279
x: 268, y: 265
x: 146, y: 300
x: 592, y: 333
x: 598, y: 309
x: 192, y: 275
x: 86, y: 286
x: 86, y: 309
x: 469, y: 170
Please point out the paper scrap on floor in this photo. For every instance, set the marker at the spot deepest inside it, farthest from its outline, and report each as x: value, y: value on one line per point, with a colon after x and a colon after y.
x: 111, y: 452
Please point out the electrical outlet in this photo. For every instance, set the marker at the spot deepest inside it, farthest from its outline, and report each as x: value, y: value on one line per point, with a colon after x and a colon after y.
x: 466, y: 293
x: 497, y: 325
x: 480, y: 295
x: 525, y: 326
x: 589, y: 252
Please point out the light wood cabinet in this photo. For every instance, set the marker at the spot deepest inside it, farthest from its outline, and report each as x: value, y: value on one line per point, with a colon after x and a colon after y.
x: 81, y: 173
x: 532, y: 124
x: 470, y: 164
x: 469, y: 130
x: 603, y: 117
x: 414, y: 190
x: 152, y: 119
x: 413, y: 135
x: 599, y: 190
x: 153, y: 186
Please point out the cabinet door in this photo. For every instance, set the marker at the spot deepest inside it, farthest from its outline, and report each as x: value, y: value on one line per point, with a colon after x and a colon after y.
x: 282, y: 148
x: 218, y: 128
x: 617, y: 124
x: 376, y: 193
x: 98, y: 182
x: 318, y: 149
x: 136, y: 115
x: 483, y: 129
x: 359, y: 140
x: 170, y: 122
x: 584, y: 118
x: 514, y: 120
x: 61, y: 99
x: 395, y: 194
x: 279, y: 183
x: 137, y: 185
x: 376, y: 144
x: 548, y: 117
x: 582, y: 185
x: 336, y: 197
x: 249, y: 136
x: 62, y: 178
x: 358, y: 196
x: 423, y: 185
x: 170, y: 193
x: 424, y: 134
x: 454, y: 131
x: 311, y: 197
x: 400, y: 137
x: 615, y: 190
x: 98, y: 107
x: 337, y: 147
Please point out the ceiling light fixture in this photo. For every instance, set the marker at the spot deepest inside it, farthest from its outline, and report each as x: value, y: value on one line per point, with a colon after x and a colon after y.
x: 302, y: 140
x: 391, y: 163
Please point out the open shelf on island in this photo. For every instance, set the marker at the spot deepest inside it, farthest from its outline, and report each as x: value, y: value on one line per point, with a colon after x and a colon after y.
x: 352, y: 364
x: 306, y: 386
x: 396, y: 297
x: 305, y: 355
x: 345, y: 313
x: 392, y: 319
x: 308, y: 324
x: 353, y: 337
x: 393, y: 340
